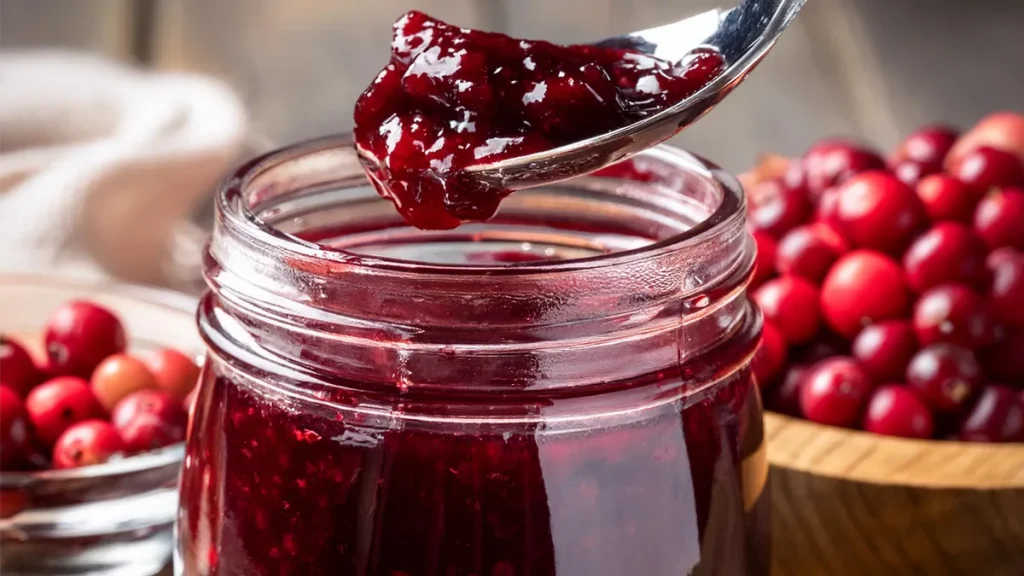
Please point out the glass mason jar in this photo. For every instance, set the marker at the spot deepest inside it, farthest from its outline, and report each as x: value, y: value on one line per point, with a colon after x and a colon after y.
x: 564, y: 389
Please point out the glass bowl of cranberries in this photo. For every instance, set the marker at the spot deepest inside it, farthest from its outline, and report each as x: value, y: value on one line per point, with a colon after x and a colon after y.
x: 892, y: 361
x: 94, y: 387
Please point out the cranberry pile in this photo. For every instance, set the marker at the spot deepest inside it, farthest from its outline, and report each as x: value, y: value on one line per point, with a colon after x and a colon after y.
x: 893, y: 288
x: 451, y: 97
x: 88, y: 401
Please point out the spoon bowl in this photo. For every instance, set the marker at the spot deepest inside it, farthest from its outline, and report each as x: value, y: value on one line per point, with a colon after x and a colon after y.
x: 743, y: 35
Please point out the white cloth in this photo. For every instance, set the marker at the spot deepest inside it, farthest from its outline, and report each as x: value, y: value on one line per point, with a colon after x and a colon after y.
x: 99, y: 161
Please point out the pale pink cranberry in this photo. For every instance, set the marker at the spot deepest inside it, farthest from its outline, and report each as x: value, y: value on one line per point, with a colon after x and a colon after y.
x: 57, y: 404
x: 885, y: 348
x: 149, y: 419
x: 79, y: 335
x: 1006, y: 294
x: 809, y: 251
x: 87, y: 443
x: 988, y: 167
x: 834, y: 392
x: 894, y: 410
x: 791, y: 305
x: 947, y: 199
x: 764, y: 263
x: 770, y: 358
x: 17, y: 368
x: 875, y: 210
x: 955, y: 314
x: 863, y: 287
x: 998, y: 218
x: 945, y: 376
x: 997, y: 416
x: 948, y: 252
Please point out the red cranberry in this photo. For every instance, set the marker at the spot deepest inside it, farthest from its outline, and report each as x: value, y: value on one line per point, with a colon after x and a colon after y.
x: 828, y: 203
x: 17, y: 368
x: 770, y: 358
x: 785, y: 399
x: 149, y: 419
x: 875, y: 210
x: 894, y: 410
x: 863, y: 287
x: 1006, y: 295
x: 830, y: 163
x: 58, y: 403
x: 955, y: 314
x: 944, y: 376
x: 884, y: 349
x: 791, y: 304
x: 910, y: 172
x: 15, y: 432
x: 1002, y: 361
x: 808, y: 251
x: 764, y: 264
x: 117, y: 376
x: 825, y: 345
x: 986, y: 167
x: 997, y: 416
x: 778, y: 208
x: 948, y: 252
x: 834, y: 392
x: 79, y: 335
x: 87, y: 443
x: 998, y: 218
x: 999, y: 255
x: 929, y: 146
x: 946, y: 198
x: 176, y: 373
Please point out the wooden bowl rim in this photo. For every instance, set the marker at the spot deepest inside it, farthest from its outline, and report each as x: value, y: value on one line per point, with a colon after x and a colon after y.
x: 804, y: 446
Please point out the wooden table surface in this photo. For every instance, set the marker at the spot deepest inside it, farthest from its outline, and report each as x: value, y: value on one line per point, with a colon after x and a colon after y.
x: 873, y: 69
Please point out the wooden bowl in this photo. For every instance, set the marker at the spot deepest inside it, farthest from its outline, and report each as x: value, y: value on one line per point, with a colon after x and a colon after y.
x: 851, y: 503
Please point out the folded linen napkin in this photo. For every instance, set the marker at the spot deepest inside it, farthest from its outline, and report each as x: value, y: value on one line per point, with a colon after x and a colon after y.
x: 100, y: 161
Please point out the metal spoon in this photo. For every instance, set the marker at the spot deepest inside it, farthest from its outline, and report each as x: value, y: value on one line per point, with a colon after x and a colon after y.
x: 743, y: 35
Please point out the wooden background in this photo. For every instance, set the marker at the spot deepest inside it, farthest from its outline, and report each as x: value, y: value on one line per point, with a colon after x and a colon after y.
x: 873, y: 69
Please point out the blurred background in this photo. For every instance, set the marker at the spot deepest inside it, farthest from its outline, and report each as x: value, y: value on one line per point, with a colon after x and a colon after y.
x: 871, y: 69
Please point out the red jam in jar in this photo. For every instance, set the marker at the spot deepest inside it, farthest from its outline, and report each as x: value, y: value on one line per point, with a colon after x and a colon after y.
x: 451, y: 98
x: 563, y: 390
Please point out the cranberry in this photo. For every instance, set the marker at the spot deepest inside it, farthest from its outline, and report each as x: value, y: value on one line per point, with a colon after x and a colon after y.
x: 779, y: 208
x: 875, y: 210
x: 884, y: 349
x: 863, y: 287
x: 118, y: 376
x: 834, y: 391
x: 770, y: 358
x: 791, y: 304
x: 79, y: 335
x: 56, y: 404
x: 825, y: 345
x: 894, y: 410
x: 910, y: 172
x: 946, y: 198
x: 176, y: 373
x: 997, y: 416
x: 785, y: 399
x: 149, y: 419
x: 87, y: 443
x: 830, y: 163
x: 999, y: 255
x: 764, y: 264
x: 17, y: 368
x: 1002, y: 361
x: 809, y: 251
x: 15, y: 436
x: 948, y: 252
x: 928, y: 146
x: 828, y: 203
x: 945, y: 376
x: 955, y: 314
x: 1006, y: 295
x: 987, y: 167
x: 998, y: 218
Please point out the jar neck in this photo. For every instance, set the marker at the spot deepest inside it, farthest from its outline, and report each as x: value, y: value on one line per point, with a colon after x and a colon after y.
x: 645, y: 268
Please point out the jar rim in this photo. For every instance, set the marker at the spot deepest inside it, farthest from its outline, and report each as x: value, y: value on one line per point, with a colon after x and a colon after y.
x: 232, y: 204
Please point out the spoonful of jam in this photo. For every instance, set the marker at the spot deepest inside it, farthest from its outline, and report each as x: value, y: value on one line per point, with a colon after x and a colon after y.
x: 458, y: 119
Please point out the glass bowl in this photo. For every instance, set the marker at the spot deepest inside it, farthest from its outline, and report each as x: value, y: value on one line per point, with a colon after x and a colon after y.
x: 114, y: 518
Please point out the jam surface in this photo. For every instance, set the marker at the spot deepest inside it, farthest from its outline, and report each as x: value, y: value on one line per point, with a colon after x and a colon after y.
x: 450, y: 98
